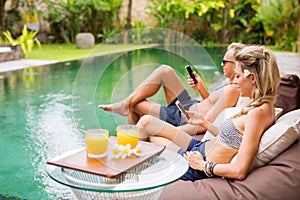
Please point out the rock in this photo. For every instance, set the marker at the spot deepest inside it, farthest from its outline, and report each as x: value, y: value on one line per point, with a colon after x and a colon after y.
x: 85, y: 40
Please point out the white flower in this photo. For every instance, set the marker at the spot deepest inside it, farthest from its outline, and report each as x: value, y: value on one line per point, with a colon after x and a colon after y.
x: 138, y: 151
x: 120, y: 151
x: 116, y: 152
x: 246, y: 72
x: 125, y: 151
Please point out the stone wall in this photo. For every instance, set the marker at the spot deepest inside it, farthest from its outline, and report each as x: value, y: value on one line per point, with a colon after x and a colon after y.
x: 139, y: 12
x: 14, y: 54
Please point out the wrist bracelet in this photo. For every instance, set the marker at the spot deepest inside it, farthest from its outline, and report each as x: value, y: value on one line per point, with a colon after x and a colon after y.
x: 209, y: 168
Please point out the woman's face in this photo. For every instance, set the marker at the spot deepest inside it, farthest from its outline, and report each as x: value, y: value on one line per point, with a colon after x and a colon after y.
x: 244, y: 80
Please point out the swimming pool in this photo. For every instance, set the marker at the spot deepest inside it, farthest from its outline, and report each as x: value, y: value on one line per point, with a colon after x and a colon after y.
x: 44, y: 110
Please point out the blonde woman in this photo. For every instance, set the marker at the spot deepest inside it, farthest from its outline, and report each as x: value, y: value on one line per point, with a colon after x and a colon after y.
x: 257, y: 77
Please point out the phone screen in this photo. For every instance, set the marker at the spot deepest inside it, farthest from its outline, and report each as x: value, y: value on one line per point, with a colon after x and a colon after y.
x: 182, y: 110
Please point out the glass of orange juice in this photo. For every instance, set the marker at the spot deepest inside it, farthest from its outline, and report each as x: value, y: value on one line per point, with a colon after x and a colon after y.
x: 128, y: 134
x: 96, y: 141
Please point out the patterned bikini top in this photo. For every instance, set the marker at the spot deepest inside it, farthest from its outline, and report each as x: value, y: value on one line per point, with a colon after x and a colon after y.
x: 229, y: 135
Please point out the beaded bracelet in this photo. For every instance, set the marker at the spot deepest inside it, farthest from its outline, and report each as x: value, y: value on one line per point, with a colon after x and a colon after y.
x: 209, y: 168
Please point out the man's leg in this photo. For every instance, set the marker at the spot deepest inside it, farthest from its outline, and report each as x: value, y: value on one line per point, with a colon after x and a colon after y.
x: 143, y: 108
x: 163, y: 76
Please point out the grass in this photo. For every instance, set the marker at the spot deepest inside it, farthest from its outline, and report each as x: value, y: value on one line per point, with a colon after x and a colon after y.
x: 64, y: 52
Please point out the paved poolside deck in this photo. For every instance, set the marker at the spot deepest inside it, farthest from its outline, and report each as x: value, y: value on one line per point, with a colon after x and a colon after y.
x: 23, y: 63
x: 288, y: 63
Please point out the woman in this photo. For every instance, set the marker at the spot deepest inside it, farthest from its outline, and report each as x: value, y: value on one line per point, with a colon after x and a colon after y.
x: 257, y: 77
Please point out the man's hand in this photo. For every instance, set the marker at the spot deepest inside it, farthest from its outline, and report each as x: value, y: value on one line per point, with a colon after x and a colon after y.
x: 191, y: 81
x: 199, y: 86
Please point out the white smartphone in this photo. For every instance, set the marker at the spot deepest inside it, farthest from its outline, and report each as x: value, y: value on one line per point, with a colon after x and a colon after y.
x: 182, y: 110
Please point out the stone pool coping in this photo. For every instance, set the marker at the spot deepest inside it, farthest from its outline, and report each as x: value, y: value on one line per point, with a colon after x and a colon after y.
x: 23, y: 63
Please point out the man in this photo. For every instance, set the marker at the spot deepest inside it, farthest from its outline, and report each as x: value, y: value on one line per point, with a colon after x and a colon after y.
x: 137, y: 104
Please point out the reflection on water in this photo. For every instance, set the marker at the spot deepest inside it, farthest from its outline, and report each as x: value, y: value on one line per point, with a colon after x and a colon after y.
x: 44, y: 111
x: 52, y: 131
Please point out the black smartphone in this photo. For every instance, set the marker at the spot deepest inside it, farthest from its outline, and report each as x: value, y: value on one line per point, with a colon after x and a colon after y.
x: 181, y: 108
x: 190, y: 71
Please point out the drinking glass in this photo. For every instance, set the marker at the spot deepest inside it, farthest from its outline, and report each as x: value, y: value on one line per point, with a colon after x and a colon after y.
x: 96, y: 142
x: 128, y: 134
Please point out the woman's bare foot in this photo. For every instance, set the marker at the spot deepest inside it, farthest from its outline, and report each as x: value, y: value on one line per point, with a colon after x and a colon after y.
x: 121, y: 108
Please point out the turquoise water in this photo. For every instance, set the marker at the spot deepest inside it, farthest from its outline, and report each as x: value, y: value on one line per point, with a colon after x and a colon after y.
x: 44, y: 110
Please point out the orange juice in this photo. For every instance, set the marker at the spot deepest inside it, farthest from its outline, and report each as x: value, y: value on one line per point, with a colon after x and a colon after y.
x: 96, y: 142
x: 127, y: 134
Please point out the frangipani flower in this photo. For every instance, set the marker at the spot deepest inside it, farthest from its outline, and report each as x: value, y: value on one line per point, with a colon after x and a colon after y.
x: 246, y: 72
x: 125, y: 151
x: 121, y: 151
x: 116, y: 152
x: 138, y: 151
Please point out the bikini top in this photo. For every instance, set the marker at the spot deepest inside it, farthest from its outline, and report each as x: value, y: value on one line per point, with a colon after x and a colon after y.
x: 229, y: 135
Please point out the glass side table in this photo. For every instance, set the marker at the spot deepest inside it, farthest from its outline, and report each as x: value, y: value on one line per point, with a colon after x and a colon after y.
x: 144, y: 182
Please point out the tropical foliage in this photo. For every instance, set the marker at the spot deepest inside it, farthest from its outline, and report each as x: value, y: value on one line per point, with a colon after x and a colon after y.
x: 207, y: 21
x: 27, y: 40
x: 280, y: 18
x: 73, y: 16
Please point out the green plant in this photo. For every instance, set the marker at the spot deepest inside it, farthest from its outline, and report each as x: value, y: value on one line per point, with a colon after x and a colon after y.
x: 281, y: 17
x: 232, y: 21
x: 1, y: 39
x: 139, y: 32
x: 209, y: 20
x: 27, y: 40
x: 108, y: 35
x: 74, y: 16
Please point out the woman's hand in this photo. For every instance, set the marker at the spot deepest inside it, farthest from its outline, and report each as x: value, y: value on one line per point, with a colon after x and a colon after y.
x: 199, y: 120
x: 195, y: 160
x: 195, y: 118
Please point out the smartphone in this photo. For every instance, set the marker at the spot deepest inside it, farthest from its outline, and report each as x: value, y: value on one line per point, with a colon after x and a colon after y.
x: 190, y: 71
x: 181, y: 108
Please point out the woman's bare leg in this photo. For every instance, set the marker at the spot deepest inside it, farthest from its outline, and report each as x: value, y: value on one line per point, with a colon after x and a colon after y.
x: 152, y: 126
x: 164, y: 141
x: 163, y: 76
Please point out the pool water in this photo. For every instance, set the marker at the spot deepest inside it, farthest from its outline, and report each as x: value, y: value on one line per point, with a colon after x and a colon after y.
x: 44, y: 110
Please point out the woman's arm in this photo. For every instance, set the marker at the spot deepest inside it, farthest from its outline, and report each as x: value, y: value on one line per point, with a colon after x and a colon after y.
x: 198, y: 120
x: 217, y: 101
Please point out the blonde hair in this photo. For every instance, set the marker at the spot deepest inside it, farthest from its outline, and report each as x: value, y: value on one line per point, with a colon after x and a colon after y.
x: 235, y: 48
x: 262, y: 63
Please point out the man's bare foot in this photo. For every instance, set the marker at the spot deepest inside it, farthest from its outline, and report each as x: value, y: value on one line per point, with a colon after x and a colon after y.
x: 132, y: 118
x: 121, y: 108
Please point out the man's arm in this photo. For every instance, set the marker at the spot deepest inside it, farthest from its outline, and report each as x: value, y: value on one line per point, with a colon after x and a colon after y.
x: 199, y: 86
x: 212, y: 106
x: 219, y: 100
